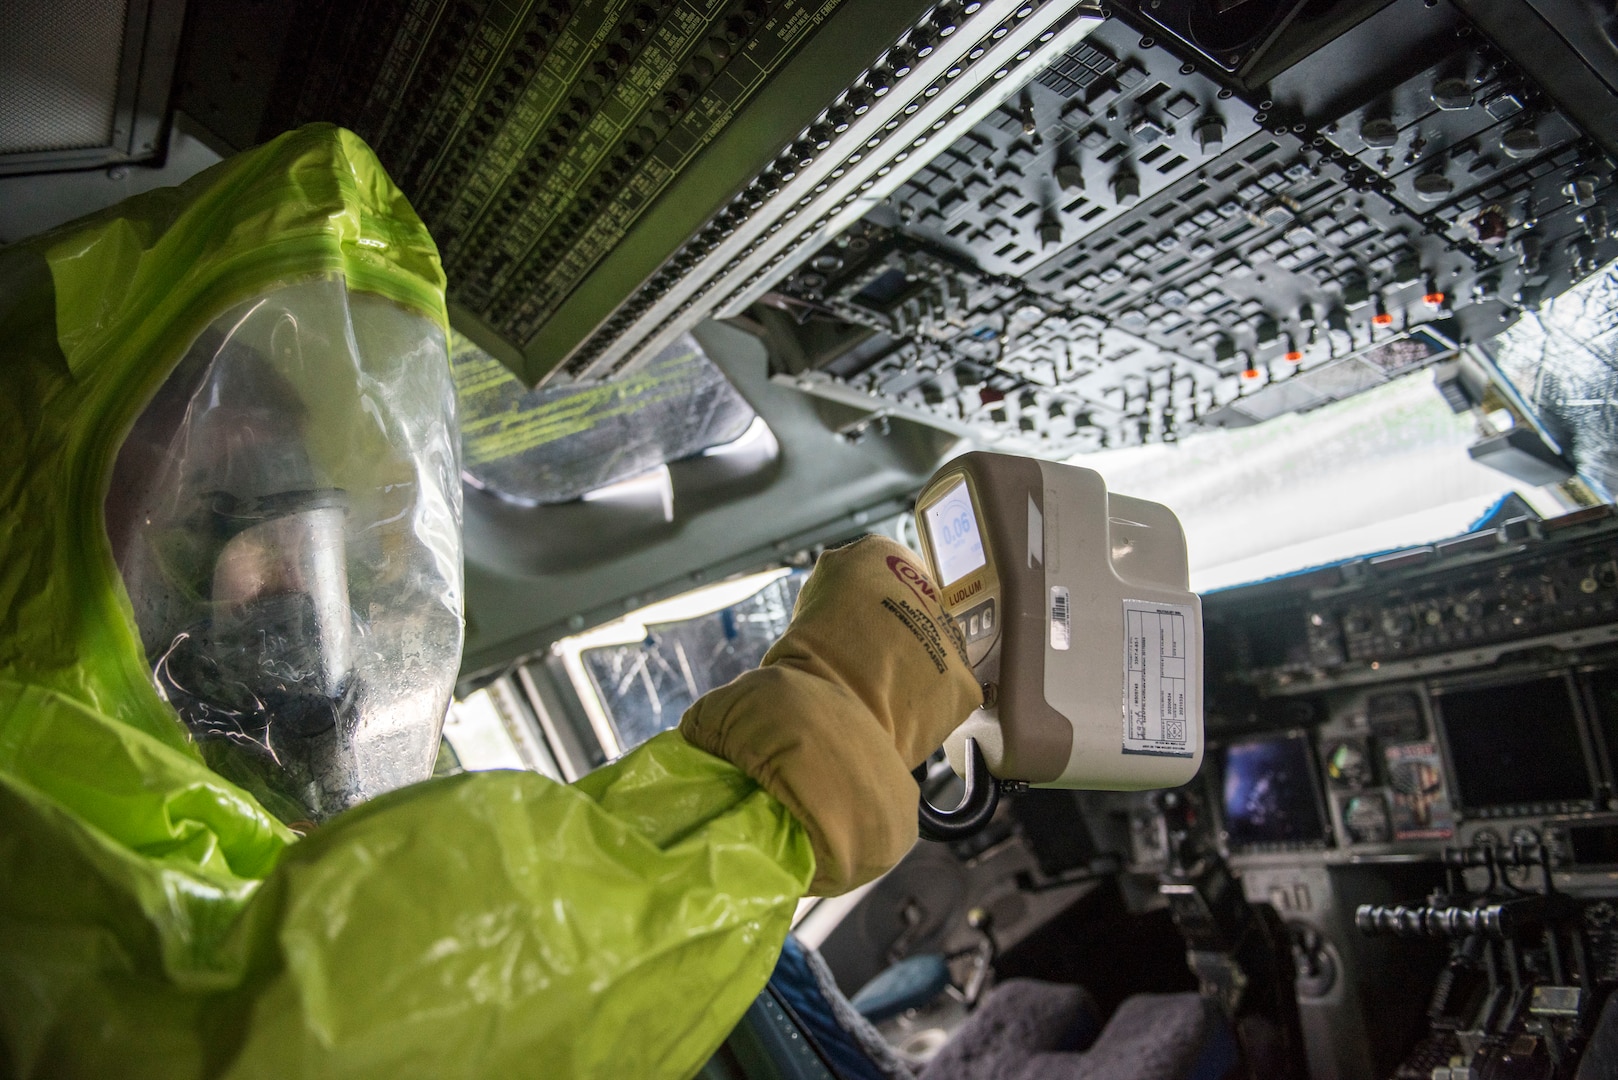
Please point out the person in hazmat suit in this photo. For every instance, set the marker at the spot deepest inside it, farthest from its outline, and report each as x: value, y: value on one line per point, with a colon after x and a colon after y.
x: 230, y: 622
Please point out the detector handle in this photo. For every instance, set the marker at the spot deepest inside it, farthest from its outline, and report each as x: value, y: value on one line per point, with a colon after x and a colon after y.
x: 978, y: 801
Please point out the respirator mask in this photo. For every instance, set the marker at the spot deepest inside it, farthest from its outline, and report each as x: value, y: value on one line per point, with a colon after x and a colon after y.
x: 285, y: 515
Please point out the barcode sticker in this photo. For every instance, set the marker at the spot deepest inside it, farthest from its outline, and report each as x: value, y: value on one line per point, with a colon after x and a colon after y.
x: 1160, y: 656
x: 1061, y: 619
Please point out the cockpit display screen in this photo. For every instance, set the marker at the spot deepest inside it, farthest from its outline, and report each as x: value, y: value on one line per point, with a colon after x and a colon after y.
x: 953, y: 527
x: 1515, y: 744
x: 1604, y: 689
x: 1271, y: 795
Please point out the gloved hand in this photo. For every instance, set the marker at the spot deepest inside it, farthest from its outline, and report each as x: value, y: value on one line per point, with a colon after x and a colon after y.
x: 867, y: 681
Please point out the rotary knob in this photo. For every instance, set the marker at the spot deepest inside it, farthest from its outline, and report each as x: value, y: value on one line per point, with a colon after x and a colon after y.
x: 1452, y: 95
x: 1433, y: 186
x: 1379, y: 133
x: 1210, y: 134
x: 946, y: 20
x: 1490, y: 226
x: 1520, y: 142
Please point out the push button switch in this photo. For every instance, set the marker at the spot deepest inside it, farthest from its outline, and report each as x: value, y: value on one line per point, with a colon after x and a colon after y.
x: 977, y: 623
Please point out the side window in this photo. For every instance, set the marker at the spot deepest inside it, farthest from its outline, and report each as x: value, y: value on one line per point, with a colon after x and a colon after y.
x: 638, y: 675
x: 494, y: 728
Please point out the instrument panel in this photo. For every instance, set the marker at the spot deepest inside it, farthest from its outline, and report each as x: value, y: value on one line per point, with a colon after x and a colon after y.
x: 1398, y: 747
x: 1435, y: 823
x: 1515, y: 758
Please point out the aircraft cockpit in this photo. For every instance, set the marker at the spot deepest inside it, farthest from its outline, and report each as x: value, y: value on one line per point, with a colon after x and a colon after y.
x: 1337, y: 283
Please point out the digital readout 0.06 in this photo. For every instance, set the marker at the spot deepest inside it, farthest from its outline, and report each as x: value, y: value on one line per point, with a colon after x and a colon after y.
x: 953, y: 528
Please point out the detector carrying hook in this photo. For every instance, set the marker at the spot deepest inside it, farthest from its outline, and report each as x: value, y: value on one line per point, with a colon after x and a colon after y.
x: 977, y: 805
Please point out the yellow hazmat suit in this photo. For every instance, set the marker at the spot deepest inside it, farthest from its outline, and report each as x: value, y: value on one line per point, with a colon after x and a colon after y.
x: 156, y: 920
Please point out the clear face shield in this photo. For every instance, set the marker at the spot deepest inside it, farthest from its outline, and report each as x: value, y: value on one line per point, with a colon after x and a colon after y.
x: 286, y: 517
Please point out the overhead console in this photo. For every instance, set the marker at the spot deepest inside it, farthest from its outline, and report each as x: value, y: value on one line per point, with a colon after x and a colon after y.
x: 1048, y: 226
x: 1054, y: 226
x: 1158, y: 235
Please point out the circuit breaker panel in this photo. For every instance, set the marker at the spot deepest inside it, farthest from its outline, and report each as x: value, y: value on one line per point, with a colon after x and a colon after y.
x: 581, y: 164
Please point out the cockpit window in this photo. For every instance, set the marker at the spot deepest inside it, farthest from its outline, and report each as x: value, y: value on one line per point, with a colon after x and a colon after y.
x: 1564, y: 360
x: 1386, y: 469
x: 638, y: 675
x: 556, y: 443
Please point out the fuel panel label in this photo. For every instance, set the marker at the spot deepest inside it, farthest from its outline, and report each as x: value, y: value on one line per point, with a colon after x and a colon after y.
x: 1158, y: 648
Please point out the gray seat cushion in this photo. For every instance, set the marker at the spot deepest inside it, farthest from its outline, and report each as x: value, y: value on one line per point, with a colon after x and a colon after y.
x: 1150, y: 1037
x: 1029, y: 1030
x: 1021, y: 1018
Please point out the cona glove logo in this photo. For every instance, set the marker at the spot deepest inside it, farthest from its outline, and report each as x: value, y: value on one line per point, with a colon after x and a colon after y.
x: 913, y: 578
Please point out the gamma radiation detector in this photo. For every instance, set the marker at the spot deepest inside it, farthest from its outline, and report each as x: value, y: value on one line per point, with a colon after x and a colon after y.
x: 1079, y: 622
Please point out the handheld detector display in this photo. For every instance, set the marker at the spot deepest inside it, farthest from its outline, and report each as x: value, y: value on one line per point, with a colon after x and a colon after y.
x: 953, y: 528
x: 1075, y: 610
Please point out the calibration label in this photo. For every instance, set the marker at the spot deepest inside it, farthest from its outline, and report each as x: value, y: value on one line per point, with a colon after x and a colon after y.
x: 1158, y: 648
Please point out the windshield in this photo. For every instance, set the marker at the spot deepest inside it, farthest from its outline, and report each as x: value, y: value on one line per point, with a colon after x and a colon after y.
x: 1382, y: 470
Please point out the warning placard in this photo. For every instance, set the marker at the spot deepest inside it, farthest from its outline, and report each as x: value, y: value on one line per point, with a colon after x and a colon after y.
x: 1158, y: 664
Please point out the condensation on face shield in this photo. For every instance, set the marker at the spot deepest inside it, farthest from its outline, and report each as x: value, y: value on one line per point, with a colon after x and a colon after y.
x: 286, y: 517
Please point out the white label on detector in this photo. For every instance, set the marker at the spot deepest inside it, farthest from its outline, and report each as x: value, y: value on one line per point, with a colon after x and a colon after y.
x: 1061, y: 619
x: 1036, y: 535
x: 1158, y: 667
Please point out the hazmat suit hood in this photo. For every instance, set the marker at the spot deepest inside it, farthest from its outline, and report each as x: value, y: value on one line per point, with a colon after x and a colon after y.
x: 247, y: 538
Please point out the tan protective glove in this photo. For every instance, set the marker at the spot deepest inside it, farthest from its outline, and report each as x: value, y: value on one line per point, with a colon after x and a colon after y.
x: 867, y: 681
